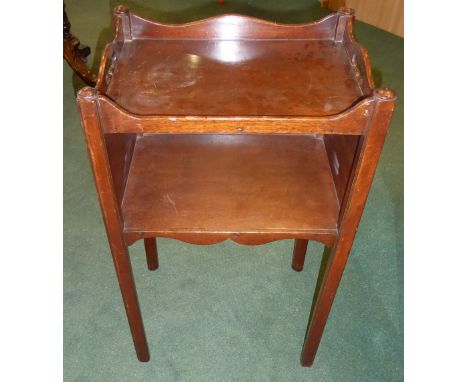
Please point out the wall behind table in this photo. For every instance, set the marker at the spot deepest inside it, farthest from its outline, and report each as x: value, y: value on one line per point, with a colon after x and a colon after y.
x: 384, y: 14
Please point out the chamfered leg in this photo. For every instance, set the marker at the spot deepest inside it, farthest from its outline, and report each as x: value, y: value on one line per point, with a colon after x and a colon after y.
x: 331, y: 270
x: 87, y: 102
x: 351, y: 211
x: 123, y: 269
x: 300, y: 249
x: 151, y: 253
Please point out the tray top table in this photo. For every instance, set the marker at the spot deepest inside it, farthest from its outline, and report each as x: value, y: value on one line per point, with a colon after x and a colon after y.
x: 234, y: 128
x: 229, y: 77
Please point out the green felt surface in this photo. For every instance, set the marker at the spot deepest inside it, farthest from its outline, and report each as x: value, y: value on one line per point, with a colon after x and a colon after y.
x: 228, y: 312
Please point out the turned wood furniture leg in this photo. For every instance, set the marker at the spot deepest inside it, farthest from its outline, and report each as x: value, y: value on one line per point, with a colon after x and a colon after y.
x: 87, y: 102
x: 370, y: 148
x: 151, y: 253
x: 76, y: 54
x: 300, y: 249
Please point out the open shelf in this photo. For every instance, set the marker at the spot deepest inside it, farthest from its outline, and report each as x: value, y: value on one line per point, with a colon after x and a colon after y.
x: 230, y: 184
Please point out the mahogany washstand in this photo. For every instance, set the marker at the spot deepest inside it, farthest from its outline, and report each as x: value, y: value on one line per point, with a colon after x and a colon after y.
x: 234, y: 128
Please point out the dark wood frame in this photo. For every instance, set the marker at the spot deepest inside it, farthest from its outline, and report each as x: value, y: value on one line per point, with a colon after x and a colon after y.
x: 356, y: 136
x: 76, y: 54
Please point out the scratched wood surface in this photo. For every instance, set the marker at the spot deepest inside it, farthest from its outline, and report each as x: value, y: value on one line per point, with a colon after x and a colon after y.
x: 230, y: 184
x: 229, y: 77
x: 233, y: 65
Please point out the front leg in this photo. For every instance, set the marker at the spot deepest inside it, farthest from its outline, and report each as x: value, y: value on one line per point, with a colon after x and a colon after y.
x: 331, y: 270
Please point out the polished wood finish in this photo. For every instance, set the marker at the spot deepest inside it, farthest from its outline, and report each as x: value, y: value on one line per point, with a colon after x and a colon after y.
x: 353, y: 207
x: 112, y: 217
x: 151, y: 253
x: 300, y: 249
x: 228, y: 186
x: 76, y: 54
x: 225, y: 28
x: 121, y: 146
x: 350, y: 122
x: 234, y: 128
x: 183, y: 77
x: 341, y: 151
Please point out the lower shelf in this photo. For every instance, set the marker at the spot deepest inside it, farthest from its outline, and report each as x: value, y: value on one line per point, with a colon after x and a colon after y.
x: 230, y: 185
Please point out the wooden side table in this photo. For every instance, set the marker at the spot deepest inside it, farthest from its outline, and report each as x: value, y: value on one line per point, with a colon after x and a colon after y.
x: 234, y: 128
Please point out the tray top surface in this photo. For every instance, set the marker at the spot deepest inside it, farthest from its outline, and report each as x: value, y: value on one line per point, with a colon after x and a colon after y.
x: 233, y: 77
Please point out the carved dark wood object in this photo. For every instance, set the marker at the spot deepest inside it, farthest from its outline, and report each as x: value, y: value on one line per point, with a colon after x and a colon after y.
x: 234, y: 128
x: 76, y: 54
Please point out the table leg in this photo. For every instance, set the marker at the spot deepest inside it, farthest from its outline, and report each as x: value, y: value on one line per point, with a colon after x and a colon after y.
x: 87, y: 102
x: 151, y: 253
x: 300, y: 249
x: 333, y: 263
x: 123, y: 269
x: 352, y: 208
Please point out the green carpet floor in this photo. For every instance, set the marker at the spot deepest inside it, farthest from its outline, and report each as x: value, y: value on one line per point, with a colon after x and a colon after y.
x: 228, y: 312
